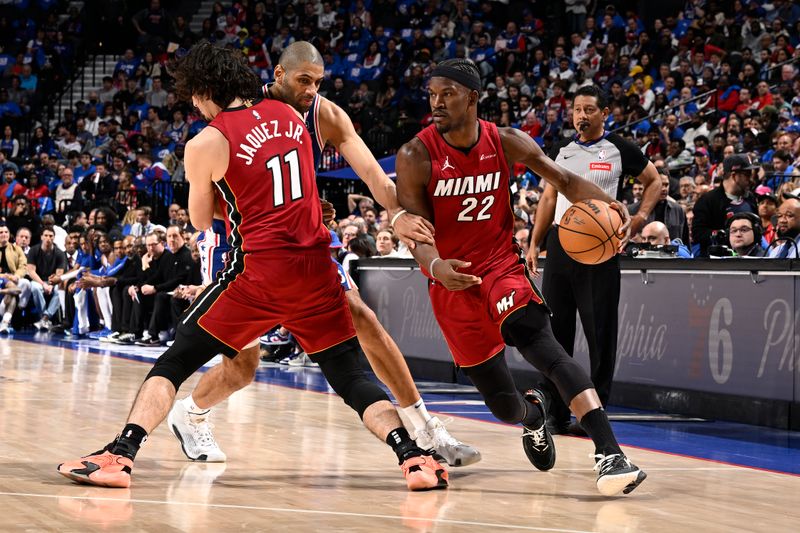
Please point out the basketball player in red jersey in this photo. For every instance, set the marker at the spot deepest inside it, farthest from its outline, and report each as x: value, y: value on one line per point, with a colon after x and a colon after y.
x: 257, y: 155
x: 298, y: 76
x: 455, y: 173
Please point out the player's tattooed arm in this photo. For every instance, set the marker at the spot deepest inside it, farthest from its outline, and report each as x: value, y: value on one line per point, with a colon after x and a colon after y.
x: 413, y: 167
x: 519, y: 147
x: 338, y: 129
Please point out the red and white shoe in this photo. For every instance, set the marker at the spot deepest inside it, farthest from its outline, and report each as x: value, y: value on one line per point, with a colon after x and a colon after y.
x: 423, y: 472
x: 101, y: 468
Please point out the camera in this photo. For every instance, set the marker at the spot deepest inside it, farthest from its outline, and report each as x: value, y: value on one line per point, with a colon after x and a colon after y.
x: 720, y: 247
x: 645, y: 250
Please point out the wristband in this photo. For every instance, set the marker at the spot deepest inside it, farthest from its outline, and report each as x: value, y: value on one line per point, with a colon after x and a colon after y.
x: 430, y: 267
x: 394, y: 218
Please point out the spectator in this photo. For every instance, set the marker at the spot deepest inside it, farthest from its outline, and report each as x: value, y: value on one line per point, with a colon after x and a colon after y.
x: 66, y: 194
x: 11, y: 188
x: 45, y: 260
x: 713, y: 209
x: 386, y: 244
x: 174, y: 268
x: 686, y: 188
x: 656, y: 234
x: 143, y: 226
x: 788, y: 229
x: 9, y: 144
x: 22, y: 238
x: 744, y: 235
x: 767, y: 206
x: 13, y: 268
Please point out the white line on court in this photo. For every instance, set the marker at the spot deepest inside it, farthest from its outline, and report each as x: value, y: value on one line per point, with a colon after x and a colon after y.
x: 301, y: 511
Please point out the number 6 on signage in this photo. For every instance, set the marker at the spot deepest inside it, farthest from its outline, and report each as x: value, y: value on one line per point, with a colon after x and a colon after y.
x: 274, y: 166
x: 720, y: 344
x: 471, y: 204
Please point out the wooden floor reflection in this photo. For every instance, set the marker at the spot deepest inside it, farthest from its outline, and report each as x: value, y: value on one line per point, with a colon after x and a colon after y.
x: 301, y: 461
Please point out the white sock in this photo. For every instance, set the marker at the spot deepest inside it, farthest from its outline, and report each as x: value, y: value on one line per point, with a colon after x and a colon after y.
x: 7, y: 317
x: 417, y: 414
x: 192, y: 407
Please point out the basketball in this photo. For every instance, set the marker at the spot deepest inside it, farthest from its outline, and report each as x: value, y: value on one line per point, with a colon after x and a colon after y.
x: 589, y: 232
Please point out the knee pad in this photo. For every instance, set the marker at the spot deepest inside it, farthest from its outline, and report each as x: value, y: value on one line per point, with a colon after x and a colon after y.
x: 506, y: 406
x: 493, y: 380
x: 188, y: 353
x: 341, y: 368
x: 529, y: 330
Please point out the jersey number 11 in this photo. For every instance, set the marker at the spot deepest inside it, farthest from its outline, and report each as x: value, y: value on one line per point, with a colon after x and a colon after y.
x: 295, y: 189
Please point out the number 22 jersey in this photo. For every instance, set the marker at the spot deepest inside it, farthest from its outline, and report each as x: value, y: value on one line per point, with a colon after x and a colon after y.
x: 471, y: 200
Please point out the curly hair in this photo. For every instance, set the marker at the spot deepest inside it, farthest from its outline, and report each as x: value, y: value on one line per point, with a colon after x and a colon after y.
x: 220, y: 74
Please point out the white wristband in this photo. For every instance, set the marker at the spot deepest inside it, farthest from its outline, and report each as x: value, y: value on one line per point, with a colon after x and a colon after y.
x: 430, y: 267
x: 394, y: 218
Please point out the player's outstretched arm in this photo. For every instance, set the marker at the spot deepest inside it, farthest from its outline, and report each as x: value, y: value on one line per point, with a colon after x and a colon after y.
x: 413, y: 174
x: 339, y: 130
x: 520, y: 147
x: 206, y: 159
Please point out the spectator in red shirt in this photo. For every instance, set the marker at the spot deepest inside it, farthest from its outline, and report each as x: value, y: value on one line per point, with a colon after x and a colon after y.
x: 764, y: 97
x: 532, y: 126
x: 10, y: 187
x: 727, y: 96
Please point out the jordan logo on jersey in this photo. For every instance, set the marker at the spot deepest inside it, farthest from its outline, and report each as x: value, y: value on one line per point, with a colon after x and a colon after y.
x: 468, y: 184
x: 447, y: 164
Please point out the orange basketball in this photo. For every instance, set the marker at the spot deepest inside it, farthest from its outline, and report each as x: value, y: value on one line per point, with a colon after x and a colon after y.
x: 589, y: 232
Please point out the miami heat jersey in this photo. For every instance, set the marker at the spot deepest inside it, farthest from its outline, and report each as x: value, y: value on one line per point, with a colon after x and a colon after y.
x: 470, y: 197
x: 270, y: 187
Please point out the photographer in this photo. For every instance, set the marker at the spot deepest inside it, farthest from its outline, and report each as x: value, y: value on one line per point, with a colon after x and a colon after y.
x: 656, y: 237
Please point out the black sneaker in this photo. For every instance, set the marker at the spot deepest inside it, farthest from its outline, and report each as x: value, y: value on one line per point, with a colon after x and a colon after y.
x: 150, y: 341
x: 537, y: 442
x: 616, y: 473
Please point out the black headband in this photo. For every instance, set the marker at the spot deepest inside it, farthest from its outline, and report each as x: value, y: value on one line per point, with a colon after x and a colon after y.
x: 470, y: 81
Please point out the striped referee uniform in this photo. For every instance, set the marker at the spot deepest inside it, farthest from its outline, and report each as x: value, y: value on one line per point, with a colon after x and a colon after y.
x: 591, y: 290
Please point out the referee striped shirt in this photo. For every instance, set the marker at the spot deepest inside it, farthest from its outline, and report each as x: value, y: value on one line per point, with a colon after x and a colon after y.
x: 606, y: 162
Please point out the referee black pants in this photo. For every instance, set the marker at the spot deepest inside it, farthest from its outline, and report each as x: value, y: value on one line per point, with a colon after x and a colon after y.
x: 592, y: 291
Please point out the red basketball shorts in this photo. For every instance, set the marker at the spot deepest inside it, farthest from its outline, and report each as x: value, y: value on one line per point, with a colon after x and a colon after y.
x: 471, y: 319
x: 256, y: 293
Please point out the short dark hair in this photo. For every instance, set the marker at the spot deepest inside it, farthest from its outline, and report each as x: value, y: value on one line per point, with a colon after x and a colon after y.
x: 220, y: 74
x: 593, y: 91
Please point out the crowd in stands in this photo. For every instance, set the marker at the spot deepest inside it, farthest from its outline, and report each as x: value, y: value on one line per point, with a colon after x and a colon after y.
x: 691, y: 87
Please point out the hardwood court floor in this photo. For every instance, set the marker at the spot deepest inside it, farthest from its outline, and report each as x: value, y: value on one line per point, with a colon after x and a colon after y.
x: 301, y: 461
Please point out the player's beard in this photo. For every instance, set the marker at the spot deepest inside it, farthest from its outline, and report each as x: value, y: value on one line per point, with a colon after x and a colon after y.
x: 443, y: 128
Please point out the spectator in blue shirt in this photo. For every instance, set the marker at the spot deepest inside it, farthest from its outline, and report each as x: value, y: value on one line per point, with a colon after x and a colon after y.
x: 128, y: 64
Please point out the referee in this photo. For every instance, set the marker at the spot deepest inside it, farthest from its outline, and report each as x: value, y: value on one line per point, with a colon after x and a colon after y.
x: 593, y: 290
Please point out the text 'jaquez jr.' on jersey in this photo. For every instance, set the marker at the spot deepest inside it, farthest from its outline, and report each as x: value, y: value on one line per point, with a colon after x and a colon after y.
x: 266, y: 131
x: 269, y: 187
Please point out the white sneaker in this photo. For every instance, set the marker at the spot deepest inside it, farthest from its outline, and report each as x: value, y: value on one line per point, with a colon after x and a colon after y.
x: 194, y: 432
x: 4, y: 328
x: 111, y: 337
x: 302, y: 359
x: 43, y: 324
x: 436, y: 437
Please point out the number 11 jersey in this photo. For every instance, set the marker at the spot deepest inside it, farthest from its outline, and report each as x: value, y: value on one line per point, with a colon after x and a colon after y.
x: 270, y: 186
